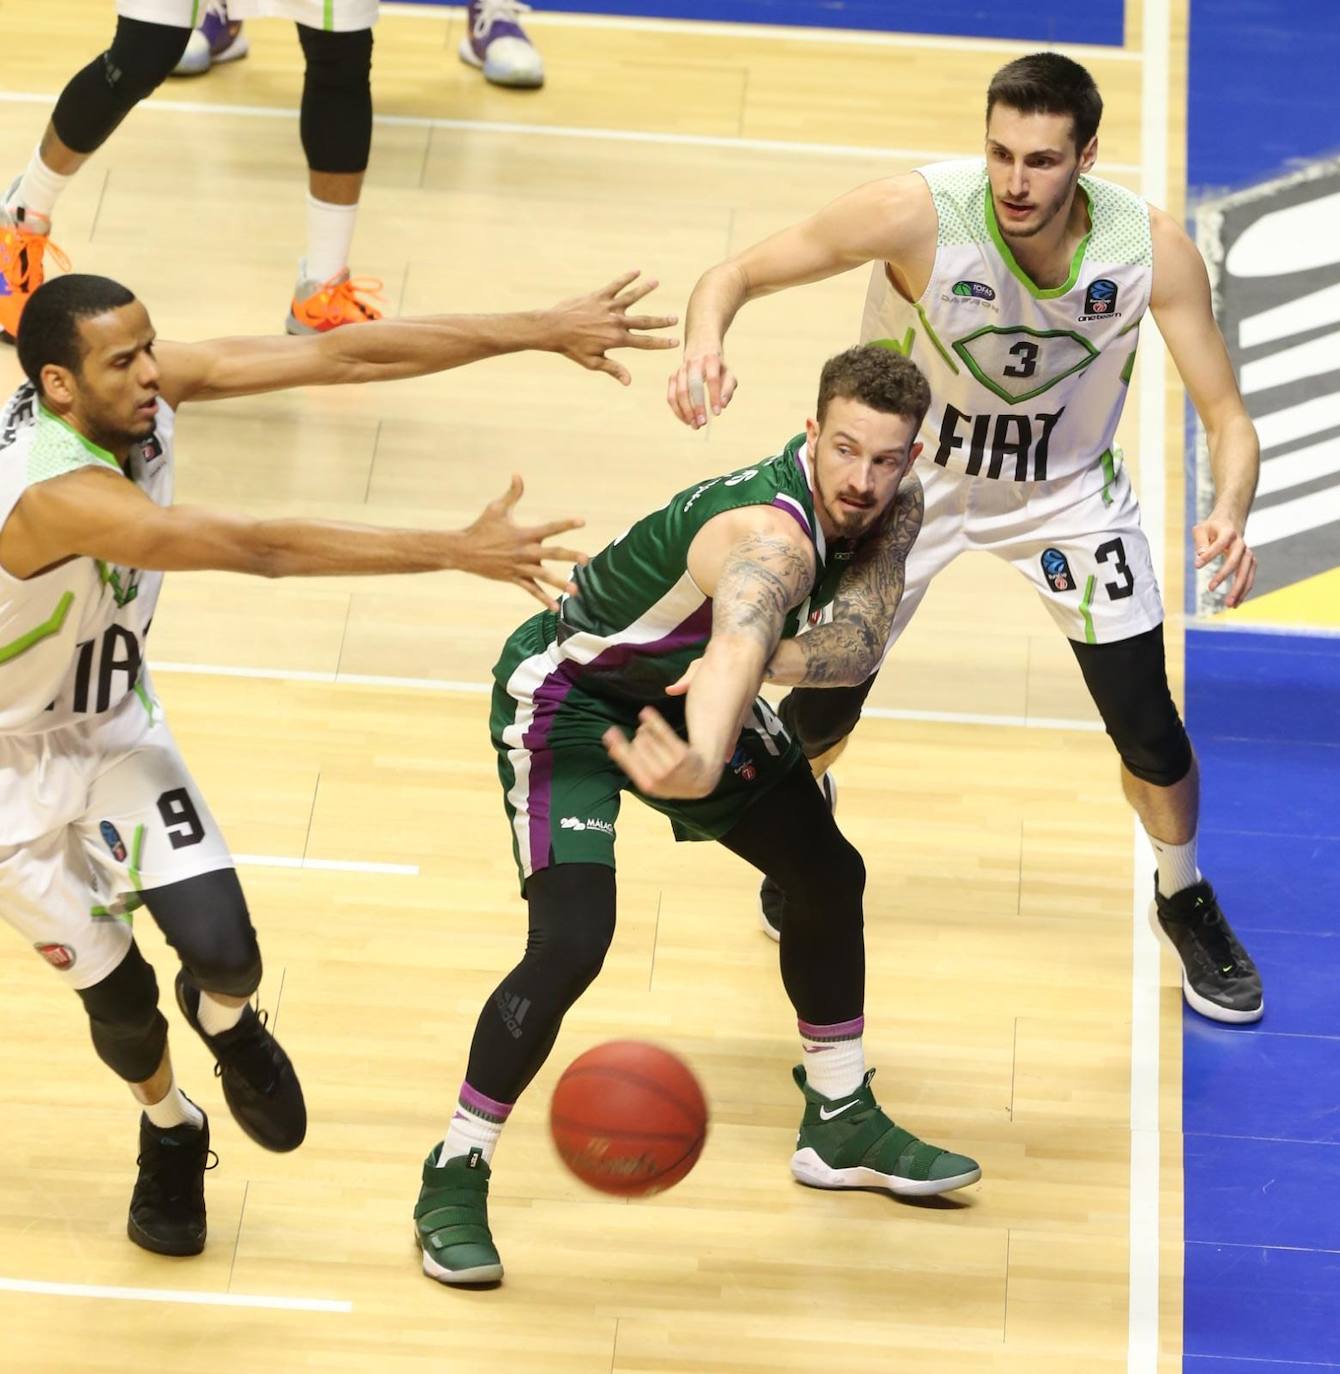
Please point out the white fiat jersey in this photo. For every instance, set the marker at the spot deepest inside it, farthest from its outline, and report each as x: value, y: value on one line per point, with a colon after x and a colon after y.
x: 71, y: 638
x: 1027, y: 384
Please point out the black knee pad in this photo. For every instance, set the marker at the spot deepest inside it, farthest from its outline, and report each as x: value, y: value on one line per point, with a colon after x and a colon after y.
x: 336, y: 116
x: 829, y: 880
x: 205, y: 920
x: 571, y: 923
x: 817, y: 718
x: 1128, y: 681
x: 98, y: 98
x: 129, y: 1032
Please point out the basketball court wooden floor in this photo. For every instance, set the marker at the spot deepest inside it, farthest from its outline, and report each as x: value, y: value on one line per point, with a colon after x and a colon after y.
x: 339, y: 729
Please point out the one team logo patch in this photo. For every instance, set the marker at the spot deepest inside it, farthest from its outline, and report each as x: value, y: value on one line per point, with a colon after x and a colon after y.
x: 975, y: 289
x: 111, y: 837
x: 1101, y: 297
x: 1056, y: 570
x: 58, y: 956
x: 742, y: 765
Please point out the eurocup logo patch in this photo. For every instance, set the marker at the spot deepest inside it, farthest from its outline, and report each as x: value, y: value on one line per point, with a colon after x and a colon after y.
x: 1056, y: 570
x: 111, y: 837
x: 1101, y: 297
x: 742, y: 765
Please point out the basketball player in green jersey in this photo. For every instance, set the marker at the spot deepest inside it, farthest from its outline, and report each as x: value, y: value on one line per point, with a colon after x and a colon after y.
x: 724, y: 574
x: 1017, y: 282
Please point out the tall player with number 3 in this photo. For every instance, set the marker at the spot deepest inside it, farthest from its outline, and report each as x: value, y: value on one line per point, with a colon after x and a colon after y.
x: 1017, y: 282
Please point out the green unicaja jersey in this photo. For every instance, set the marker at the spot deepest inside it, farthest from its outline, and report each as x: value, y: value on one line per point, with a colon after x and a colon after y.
x: 639, y: 619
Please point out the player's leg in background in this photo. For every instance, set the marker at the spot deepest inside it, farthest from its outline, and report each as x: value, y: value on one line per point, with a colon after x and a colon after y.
x: 571, y: 912
x: 1084, y: 552
x: 821, y: 719
x: 47, y: 893
x: 336, y: 127
x: 150, y: 836
x: 1128, y: 681
x: 846, y: 1140
x: 205, y: 919
x: 496, y: 43
x: 94, y: 102
x: 215, y: 39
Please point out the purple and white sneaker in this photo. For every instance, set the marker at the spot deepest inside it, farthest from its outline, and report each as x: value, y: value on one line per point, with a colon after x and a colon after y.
x: 497, y: 44
x: 216, y: 39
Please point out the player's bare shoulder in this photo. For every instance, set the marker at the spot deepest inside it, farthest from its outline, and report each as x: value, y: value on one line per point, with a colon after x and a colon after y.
x: 903, y: 223
x: 1179, y: 269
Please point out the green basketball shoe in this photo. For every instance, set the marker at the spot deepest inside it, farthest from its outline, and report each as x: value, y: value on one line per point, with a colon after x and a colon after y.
x: 451, y: 1221
x: 848, y: 1142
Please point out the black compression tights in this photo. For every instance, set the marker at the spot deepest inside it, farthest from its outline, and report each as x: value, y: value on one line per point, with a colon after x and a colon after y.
x: 788, y: 834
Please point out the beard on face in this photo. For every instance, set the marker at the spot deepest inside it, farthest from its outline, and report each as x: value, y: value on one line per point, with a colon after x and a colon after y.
x: 1048, y: 214
x: 851, y: 523
x: 113, y: 433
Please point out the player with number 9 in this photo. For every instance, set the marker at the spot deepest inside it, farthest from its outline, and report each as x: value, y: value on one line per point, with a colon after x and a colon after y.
x: 100, y: 813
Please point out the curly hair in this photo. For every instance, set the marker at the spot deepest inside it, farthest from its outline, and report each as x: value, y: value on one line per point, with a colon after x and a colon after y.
x: 879, y: 378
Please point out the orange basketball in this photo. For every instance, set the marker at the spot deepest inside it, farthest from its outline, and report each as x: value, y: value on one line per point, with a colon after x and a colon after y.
x: 628, y: 1118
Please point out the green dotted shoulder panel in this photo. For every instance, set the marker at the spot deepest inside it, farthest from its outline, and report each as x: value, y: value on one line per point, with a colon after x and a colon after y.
x: 57, y: 449
x: 1120, y: 225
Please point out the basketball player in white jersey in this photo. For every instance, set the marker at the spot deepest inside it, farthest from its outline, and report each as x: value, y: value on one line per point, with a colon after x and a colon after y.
x: 100, y: 814
x: 335, y: 125
x: 1017, y: 283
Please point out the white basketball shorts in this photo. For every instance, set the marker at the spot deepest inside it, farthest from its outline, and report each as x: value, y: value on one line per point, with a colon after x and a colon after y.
x: 1076, y: 539
x: 92, y: 814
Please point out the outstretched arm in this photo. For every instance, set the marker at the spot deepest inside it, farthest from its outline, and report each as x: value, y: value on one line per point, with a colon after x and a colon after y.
x: 96, y: 513
x: 846, y: 651
x: 890, y: 220
x: 582, y: 329
x: 1181, y: 303
x: 756, y: 565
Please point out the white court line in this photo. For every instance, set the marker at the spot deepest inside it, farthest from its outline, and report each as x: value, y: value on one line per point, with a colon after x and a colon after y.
x: 568, y: 131
x: 332, y: 865
x: 856, y: 38
x: 1142, y: 1317
x: 430, y: 684
x: 177, y: 1295
x: 972, y: 718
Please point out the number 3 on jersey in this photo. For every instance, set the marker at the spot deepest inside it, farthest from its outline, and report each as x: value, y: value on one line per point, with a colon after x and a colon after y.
x: 1115, y: 550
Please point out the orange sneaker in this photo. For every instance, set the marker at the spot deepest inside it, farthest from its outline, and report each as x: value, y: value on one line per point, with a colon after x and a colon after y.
x: 319, y: 306
x: 24, y: 242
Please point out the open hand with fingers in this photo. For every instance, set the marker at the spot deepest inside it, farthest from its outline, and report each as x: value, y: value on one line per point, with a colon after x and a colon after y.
x: 703, y: 380
x: 586, y: 327
x: 1218, y: 536
x: 659, y: 762
x: 497, y: 548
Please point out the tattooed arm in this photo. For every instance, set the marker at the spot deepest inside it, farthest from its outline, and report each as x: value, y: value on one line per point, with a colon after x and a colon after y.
x: 756, y: 565
x: 845, y: 652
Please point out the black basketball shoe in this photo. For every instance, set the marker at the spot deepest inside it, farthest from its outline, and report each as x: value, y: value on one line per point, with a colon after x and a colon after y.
x: 771, y: 898
x: 259, y: 1084
x: 1218, y: 977
x: 167, y: 1208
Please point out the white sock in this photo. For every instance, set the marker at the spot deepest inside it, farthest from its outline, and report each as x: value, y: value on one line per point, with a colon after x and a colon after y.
x: 175, y: 1109
x: 215, y: 1016
x: 330, y: 233
x: 476, y: 1124
x: 1177, y: 865
x: 834, y: 1057
x: 38, y: 188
